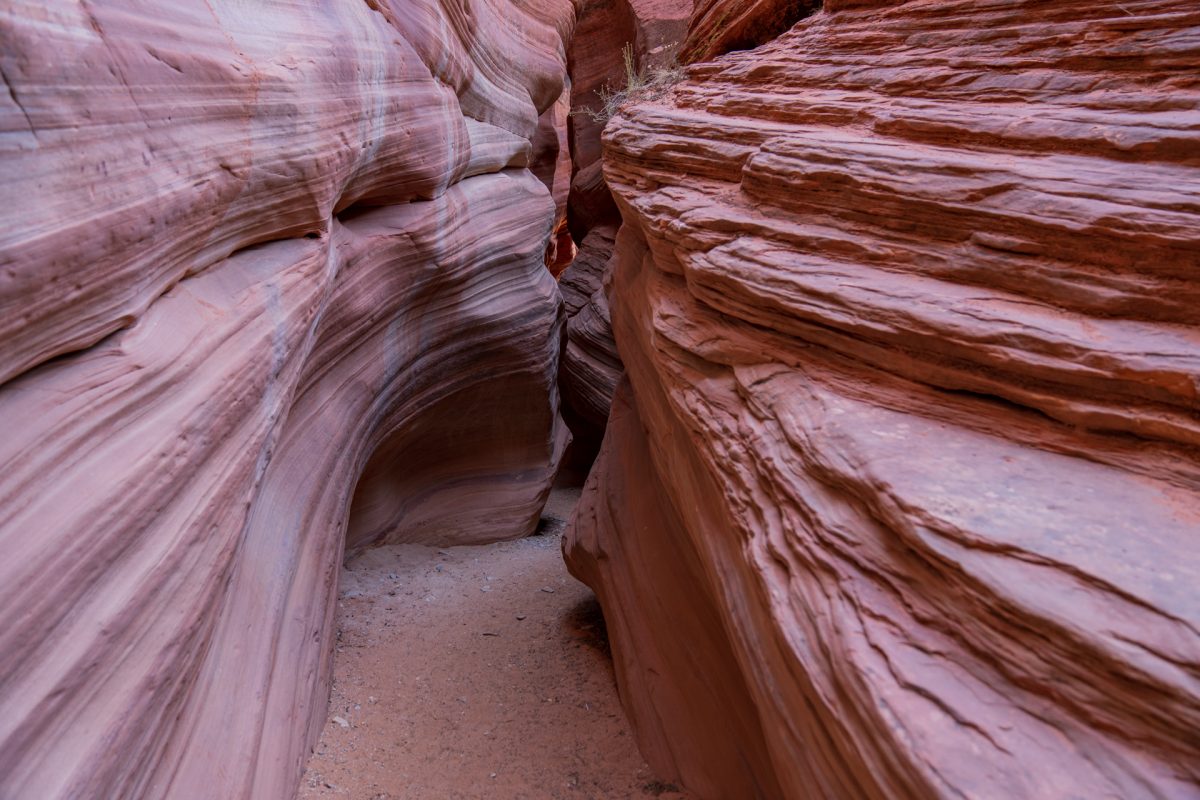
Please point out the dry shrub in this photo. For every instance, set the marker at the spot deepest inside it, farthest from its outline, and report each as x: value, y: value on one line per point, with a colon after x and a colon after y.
x: 640, y: 85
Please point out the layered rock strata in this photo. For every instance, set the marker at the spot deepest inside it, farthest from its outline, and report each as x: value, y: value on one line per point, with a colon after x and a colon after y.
x: 651, y: 31
x: 274, y: 288
x: 903, y: 496
x: 718, y: 26
x: 590, y: 366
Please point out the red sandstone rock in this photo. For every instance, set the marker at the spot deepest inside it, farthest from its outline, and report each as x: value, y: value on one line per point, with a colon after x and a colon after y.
x: 718, y: 26
x: 289, y: 258
x: 590, y: 366
x: 652, y: 30
x: 904, y: 498
x: 551, y: 162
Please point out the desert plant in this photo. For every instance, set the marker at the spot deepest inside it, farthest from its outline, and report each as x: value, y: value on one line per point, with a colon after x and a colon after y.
x: 640, y: 85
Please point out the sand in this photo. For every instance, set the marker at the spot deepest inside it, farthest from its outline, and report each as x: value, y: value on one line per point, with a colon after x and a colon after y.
x: 475, y: 672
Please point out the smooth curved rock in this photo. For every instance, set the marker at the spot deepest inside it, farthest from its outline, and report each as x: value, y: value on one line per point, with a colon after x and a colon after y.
x: 551, y: 162
x: 907, y: 305
x: 156, y: 143
x: 290, y: 261
x: 456, y: 439
x: 590, y: 364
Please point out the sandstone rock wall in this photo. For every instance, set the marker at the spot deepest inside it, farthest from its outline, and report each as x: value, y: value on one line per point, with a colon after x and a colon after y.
x: 718, y: 26
x: 590, y: 366
x: 271, y: 285
x: 551, y: 162
x: 653, y: 31
x: 903, y: 496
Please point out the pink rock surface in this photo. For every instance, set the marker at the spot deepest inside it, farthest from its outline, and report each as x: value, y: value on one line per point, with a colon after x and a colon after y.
x: 718, y: 26
x: 289, y: 258
x: 653, y: 31
x: 551, y: 162
x: 590, y: 366
x: 903, y: 498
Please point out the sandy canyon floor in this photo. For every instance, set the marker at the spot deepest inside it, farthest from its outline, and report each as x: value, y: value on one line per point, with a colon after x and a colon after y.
x: 475, y: 672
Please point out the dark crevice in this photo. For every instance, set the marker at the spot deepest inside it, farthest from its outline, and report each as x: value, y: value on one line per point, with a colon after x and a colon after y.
x: 736, y: 28
x: 17, y: 102
x: 773, y: 25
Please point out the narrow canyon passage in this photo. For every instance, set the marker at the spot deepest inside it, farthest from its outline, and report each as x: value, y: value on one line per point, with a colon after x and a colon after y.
x: 873, y: 324
x: 474, y: 672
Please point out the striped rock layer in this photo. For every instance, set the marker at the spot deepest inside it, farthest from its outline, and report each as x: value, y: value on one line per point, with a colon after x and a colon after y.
x: 900, y: 497
x: 271, y: 287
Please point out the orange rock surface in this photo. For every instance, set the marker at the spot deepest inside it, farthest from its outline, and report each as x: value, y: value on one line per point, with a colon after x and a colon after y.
x: 900, y: 490
x: 650, y: 32
x: 902, y: 498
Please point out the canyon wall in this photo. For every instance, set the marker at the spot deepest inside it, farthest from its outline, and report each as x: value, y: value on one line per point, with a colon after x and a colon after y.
x: 272, y: 286
x: 648, y: 33
x: 718, y: 26
x: 900, y: 496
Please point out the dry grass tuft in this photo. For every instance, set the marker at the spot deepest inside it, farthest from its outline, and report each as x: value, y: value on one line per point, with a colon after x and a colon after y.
x: 640, y: 85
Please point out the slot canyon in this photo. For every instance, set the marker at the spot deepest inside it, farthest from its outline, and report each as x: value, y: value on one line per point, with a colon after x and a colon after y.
x: 705, y: 399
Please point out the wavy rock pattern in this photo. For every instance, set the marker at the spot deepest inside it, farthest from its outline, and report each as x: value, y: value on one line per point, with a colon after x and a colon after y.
x: 289, y: 258
x: 718, y: 26
x: 903, y: 496
x: 590, y: 366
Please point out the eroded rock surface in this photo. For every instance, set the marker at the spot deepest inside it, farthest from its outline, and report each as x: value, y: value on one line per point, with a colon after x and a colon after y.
x: 903, y: 496
x: 590, y: 366
x: 652, y: 31
x: 266, y: 260
x: 718, y: 26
